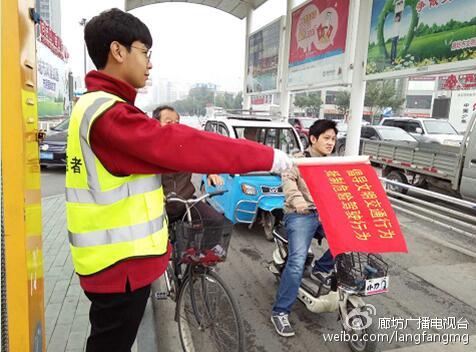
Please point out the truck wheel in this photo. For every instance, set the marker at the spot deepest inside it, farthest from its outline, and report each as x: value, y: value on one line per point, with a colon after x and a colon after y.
x: 396, y: 175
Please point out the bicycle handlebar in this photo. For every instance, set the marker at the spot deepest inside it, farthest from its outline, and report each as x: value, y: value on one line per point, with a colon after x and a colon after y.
x: 190, y: 203
x: 172, y: 197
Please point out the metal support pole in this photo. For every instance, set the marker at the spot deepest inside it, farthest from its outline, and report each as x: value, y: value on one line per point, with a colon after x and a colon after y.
x: 84, y: 59
x: 82, y: 23
x: 247, y: 97
x: 285, y: 96
x: 322, y: 107
x: 361, y: 23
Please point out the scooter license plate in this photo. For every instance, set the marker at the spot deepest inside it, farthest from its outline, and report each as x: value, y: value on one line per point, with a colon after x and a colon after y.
x: 376, y: 286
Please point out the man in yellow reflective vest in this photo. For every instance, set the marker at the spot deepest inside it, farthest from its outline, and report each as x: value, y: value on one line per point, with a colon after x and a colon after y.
x: 114, y: 196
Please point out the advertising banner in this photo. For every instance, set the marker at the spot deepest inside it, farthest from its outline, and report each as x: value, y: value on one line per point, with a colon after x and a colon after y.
x: 318, y: 43
x: 410, y: 36
x: 262, y: 99
x: 52, y: 80
x: 49, y: 38
x: 457, y: 81
x: 353, y: 208
x: 263, y: 58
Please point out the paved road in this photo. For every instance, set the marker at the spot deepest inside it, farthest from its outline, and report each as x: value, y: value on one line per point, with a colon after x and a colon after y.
x: 430, y: 281
x: 52, y: 181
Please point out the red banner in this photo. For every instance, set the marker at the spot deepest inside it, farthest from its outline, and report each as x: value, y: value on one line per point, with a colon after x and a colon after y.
x: 52, y: 41
x: 354, y: 208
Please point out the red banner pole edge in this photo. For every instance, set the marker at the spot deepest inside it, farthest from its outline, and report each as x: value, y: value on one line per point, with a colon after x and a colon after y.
x: 332, y: 160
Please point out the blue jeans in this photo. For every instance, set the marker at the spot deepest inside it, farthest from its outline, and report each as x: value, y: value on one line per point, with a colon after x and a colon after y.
x: 300, y: 229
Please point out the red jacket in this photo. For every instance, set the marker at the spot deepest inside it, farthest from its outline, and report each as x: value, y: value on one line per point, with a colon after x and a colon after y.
x: 127, y: 141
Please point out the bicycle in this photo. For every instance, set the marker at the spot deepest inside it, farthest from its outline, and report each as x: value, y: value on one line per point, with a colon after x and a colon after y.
x: 206, y: 312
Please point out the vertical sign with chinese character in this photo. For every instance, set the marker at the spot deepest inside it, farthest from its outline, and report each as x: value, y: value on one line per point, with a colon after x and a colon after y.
x: 463, y: 106
x: 353, y: 208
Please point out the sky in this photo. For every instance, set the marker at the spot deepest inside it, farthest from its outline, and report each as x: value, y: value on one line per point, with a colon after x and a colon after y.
x: 192, y: 43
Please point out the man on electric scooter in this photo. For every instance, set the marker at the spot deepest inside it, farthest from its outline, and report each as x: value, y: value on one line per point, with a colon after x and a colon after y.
x: 302, y: 223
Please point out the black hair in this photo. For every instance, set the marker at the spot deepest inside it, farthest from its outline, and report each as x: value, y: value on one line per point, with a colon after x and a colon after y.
x: 321, y: 126
x: 113, y: 25
x: 159, y: 109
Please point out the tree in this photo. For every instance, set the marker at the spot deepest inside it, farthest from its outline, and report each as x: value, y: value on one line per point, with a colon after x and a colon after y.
x: 199, y: 97
x: 343, y: 102
x: 229, y: 100
x: 238, y: 101
x: 378, y: 96
x: 381, y: 95
x: 311, y: 102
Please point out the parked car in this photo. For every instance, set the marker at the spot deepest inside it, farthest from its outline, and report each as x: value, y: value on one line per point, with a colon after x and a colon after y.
x: 53, y: 147
x: 191, y: 121
x: 252, y: 197
x: 427, y: 130
x: 302, y: 125
x: 378, y: 133
x: 341, y: 128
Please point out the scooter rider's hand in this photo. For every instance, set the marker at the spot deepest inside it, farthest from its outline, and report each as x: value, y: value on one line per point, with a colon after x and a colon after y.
x: 303, y: 209
x: 281, y: 161
x: 214, y: 180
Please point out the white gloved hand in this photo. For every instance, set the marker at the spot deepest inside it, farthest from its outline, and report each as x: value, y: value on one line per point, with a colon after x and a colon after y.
x: 281, y: 161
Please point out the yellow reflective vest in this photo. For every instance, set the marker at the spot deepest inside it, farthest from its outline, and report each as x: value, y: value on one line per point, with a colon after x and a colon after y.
x: 109, y: 218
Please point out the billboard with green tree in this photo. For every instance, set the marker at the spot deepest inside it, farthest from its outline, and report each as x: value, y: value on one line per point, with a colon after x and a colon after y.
x: 411, y: 36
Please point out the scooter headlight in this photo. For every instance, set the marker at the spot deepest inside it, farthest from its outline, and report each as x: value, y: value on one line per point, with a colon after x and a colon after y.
x: 248, y: 189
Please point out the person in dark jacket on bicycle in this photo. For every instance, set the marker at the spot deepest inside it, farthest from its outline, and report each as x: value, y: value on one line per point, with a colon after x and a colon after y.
x: 180, y: 183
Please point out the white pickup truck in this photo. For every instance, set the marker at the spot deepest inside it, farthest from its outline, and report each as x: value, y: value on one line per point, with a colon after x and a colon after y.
x: 421, y: 164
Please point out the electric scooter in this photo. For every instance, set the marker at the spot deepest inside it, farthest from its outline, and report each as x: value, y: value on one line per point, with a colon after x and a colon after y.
x: 355, y: 275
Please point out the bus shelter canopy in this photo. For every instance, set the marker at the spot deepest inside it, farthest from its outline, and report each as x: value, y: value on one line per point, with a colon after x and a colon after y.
x: 237, y: 8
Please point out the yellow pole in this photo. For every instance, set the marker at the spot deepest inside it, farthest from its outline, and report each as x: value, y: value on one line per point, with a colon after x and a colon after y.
x: 21, y: 179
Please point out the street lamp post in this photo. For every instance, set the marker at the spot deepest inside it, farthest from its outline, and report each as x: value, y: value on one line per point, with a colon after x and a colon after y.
x: 82, y: 23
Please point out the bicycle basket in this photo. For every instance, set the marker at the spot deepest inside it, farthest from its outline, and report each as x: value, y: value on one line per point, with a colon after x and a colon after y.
x: 352, y: 269
x: 202, y: 241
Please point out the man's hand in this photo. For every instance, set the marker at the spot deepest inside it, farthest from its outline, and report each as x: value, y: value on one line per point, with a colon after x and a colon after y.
x: 302, y: 208
x: 281, y: 161
x: 214, y: 180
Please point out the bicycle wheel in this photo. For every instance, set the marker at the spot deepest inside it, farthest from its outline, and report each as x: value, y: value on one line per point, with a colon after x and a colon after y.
x: 208, y: 317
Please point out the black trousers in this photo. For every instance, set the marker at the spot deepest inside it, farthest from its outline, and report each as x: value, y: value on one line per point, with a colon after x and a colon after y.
x: 115, y: 319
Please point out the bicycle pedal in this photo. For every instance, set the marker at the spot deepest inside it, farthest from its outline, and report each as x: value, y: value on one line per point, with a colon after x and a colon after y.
x: 161, y: 295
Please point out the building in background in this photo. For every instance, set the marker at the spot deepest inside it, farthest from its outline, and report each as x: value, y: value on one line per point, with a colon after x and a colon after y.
x: 54, y: 80
x: 165, y: 91
x: 419, y: 96
x: 50, y: 12
x: 449, y: 96
x: 455, y: 98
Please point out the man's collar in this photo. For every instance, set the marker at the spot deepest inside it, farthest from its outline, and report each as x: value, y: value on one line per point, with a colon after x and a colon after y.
x: 313, y: 153
x: 98, y: 80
